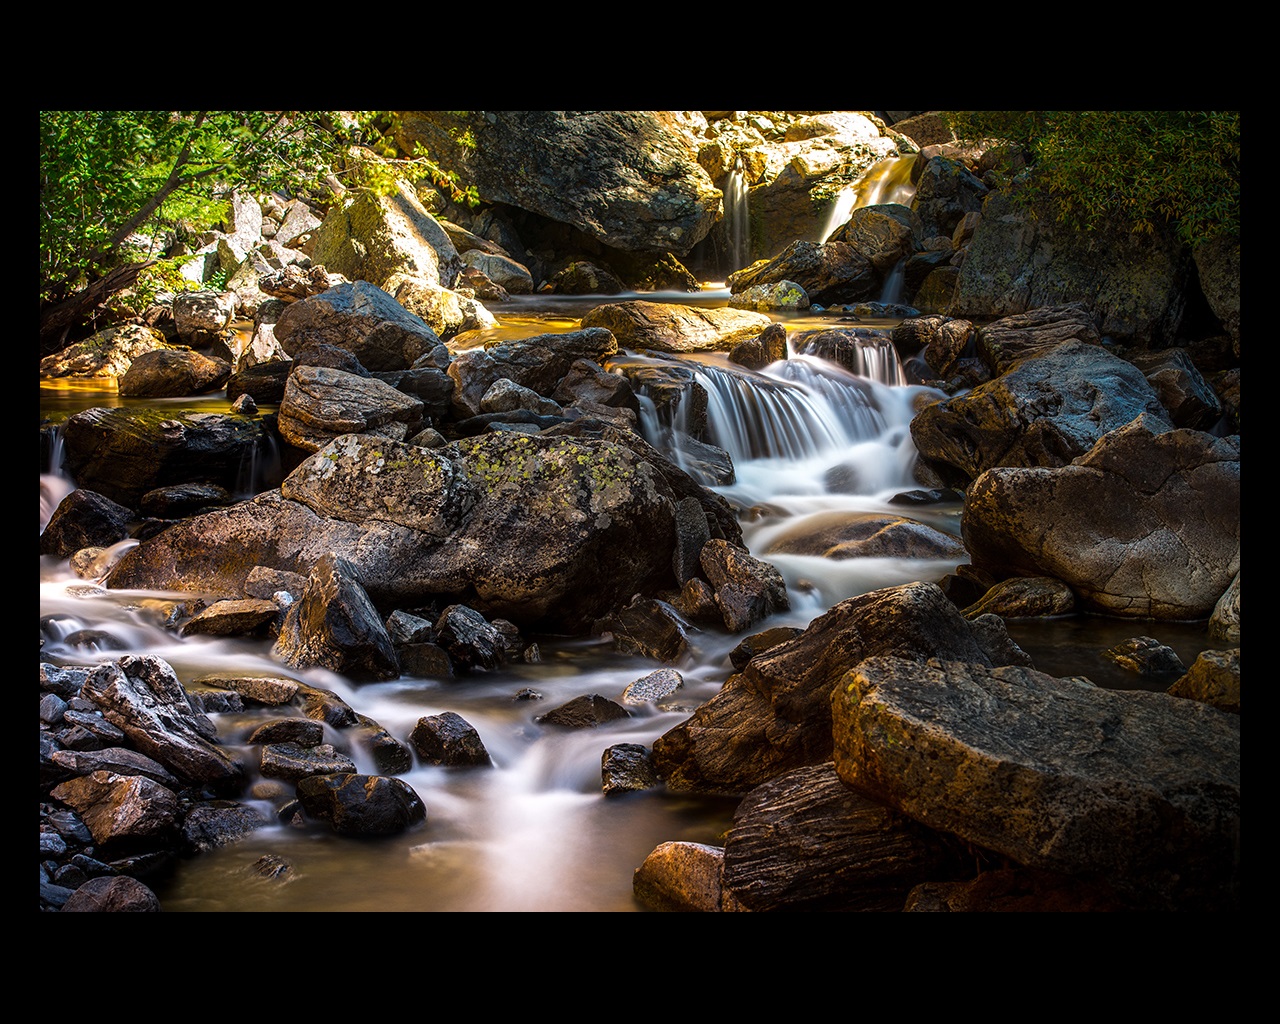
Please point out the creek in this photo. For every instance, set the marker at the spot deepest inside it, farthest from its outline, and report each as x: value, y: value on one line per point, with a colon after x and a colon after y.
x: 534, y: 832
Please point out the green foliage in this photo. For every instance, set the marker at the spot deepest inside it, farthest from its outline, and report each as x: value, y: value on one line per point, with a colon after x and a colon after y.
x: 109, y: 177
x: 1151, y: 167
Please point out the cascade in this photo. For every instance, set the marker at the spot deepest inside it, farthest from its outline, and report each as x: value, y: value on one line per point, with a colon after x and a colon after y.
x: 888, y: 181
x: 735, y: 215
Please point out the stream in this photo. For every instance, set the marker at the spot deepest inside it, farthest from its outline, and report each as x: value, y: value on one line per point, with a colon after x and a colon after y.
x: 534, y: 832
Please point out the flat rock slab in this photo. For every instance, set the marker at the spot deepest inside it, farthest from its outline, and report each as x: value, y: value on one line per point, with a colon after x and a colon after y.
x: 1140, y: 789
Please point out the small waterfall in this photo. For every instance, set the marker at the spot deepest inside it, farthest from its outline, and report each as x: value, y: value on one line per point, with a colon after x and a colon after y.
x: 735, y: 215
x: 887, y: 181
x: 796, y: 410
x: 892, y: 291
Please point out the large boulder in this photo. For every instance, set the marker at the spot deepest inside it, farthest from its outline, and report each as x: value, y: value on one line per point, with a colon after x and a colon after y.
x: 173, y: 373
x: 108, y: 353
x: 665, y: 327
x: 1139, y: 789
x: 123, y: 453
x: 628, y: 178
x: 320, y: 404
x: 1145, y: 525
x: 775, y: 715
x: 370, y: 237
x: 829, y: 272
x: 543, y: 531
x: 1046, y: 410
x: 363, y: 319
x: 1021, y: 258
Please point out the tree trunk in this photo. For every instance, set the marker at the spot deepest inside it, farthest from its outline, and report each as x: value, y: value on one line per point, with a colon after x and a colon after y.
x: 57, y: 320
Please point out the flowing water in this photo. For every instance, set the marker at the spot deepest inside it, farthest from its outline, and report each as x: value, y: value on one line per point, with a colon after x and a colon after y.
x: 534, y: 832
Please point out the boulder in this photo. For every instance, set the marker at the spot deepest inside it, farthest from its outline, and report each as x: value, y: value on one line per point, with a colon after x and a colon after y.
x: 320, y: 404
x: 373, y: 238
x: 1021, y: 258
x: 1045, y: 411
x: 108, y: 353
x: 173, y: 373
x: 123, y: 453
x: 829, y: 273
x: 1145, y: 525
x: 775, y: 714
x: 666, y: 327
x: 1139, y: 789
x: 362, y: 805
x: 627, y: 178
x: 363, y: 319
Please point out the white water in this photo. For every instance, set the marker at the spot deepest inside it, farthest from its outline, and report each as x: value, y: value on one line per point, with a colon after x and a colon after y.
x: 534, y: 832
x: 736, y: 216
x: 887, y: 181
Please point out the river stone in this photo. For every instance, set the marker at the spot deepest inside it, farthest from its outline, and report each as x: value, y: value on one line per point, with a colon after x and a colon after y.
x: 586, y: 712
x: 1140, y: 789
x: 1213, y: 678
x: 321, y: 403
x: 122, y: 808
x: 107, y: 353
x: 747, y: 589
x: 666, y: 327
x: 1044, y: 411
x: 118, y: 894
x: 361, y: 318
x: 122, y: 453
x: 1024, y: 597
x: 627, y: 768
x: 293, y: 761
x: 828, y: 273
x: 1224, y: 624
x: 1146, y: 656
x: 1146, y: 525
x: 362, y: 805
x: 83, y: 519
x: 841, y: 535
x: 143, y: 697
x: 336, y: 626
x: 448, y: 739
x: 173, y: 373
x: 680, y: 877
x: 653, y: 687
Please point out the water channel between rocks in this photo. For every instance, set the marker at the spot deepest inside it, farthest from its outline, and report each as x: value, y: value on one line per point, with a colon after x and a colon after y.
x: 535, y: 832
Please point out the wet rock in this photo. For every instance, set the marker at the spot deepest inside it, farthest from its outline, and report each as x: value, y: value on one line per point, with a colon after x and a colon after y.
x: 173, y: 373
x: 292, y: 761
x: 231, y: 618
x: 775, y: 714
x: 831, y: 272
x: 653, y: 687
x: 1146, y: 656
x: 758, y: 643
x: 663, y: 327
x: 1024, y: 597
x: 1213, y: 678
x: 335, y: 625
x: 1146, y: 525
x: 747, y: 589
x: 448, y: 739
x: 805, y: 841
x: 680, y: 877
x: 361, y: 318
x: 211, y: 824
x: 1224, y: 623
x: 361, y: 805
x: 112, y: 895
x: 84, y: 519
x: 585, y: 712
x: 649, y: 628
x: 841, y: 535
x: 471, y: 641
x: 320, y: 404
x: 122, y: 808
x: 627, y: 768
x: 389, y: 755
x: 142, y: 696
